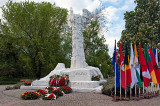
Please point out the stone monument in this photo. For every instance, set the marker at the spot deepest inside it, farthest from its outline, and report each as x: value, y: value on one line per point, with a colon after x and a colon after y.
x: 80, y: 73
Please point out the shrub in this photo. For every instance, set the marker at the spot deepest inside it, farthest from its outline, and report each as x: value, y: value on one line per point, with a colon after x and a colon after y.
x: 8, y: 80
x: 109, y: 88
x: 18, y: 85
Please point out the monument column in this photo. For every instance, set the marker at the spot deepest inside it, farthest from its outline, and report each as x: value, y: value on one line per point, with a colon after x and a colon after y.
x: 78, y: 56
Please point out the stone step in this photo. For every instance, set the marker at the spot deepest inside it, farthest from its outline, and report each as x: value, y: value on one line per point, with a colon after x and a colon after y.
x: 95, y: 90
x: 32, y: 87
x: 84, y: 84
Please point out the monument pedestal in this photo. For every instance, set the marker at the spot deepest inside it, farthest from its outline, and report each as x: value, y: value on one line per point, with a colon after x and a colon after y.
x: 80, y: 79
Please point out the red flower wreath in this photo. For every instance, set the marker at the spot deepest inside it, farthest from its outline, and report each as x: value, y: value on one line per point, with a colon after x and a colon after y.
x: 53, y: 81
x: 62, y: 81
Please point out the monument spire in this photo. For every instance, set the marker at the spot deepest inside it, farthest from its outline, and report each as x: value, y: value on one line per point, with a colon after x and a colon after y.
x: 78, y: 56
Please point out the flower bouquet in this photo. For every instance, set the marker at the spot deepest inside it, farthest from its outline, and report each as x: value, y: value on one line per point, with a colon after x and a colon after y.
x: 57, y: 80
x: 27, y: 83
x: 58, y: 93
x: 96, y: 78
x: 49, y: 89
x: 42, y: 91
x: 62, y: 81
x: 49, y: 97
x: 53, y: 81
x: 30, y: 95
x: 65, y: 89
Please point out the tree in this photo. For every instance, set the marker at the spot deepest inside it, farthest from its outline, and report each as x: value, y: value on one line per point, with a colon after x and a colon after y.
x: 33, y: 33
x: 96, y: 51
x: 143, y: 24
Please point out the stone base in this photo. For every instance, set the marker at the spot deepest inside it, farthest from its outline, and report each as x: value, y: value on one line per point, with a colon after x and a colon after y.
x: 74, y: 89
x: 32, y: 87
x: 85, y: 84
x: 95, y: 90
x: 80, y: 79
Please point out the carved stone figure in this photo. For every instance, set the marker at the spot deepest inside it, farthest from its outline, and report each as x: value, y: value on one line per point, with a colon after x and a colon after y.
x: 78, y: 23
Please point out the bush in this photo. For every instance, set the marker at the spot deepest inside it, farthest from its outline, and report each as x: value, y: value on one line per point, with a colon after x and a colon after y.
x: 18, y: 85
x: 109, y: 88
x: 8, y: 80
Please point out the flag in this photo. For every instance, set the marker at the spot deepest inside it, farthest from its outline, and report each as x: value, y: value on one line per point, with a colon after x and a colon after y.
x: 145, y: 73
x: 127, y: 67
x: 132, y: 65
x: 115, y: 63
x: 122, y: 69
x: 155, y: 67
x: 150, y: 66
x: 156, y: 56
x: 154, y: 52
x: 137, y: 69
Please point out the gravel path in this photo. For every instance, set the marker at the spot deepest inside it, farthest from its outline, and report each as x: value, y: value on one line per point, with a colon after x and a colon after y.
x: 12, y: 98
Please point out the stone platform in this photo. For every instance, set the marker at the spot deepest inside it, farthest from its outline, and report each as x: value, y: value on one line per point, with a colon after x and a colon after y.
x: 80, y: 79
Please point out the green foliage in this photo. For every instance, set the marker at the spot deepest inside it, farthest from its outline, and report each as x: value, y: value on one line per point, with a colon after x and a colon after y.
x: 143, y: 24
x: 18, y: 85
x: 8, y: 80
x: 109, y: 88
x: 96, y: 51
x: 31, y: 38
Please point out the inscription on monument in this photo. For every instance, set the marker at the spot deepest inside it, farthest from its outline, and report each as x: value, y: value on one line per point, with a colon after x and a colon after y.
x: 81, y: 73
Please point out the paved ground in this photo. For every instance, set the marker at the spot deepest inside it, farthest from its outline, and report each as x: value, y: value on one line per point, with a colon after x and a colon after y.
x: 12, y: 98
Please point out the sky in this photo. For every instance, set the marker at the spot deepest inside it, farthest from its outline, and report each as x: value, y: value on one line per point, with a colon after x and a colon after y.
x: 113, y: 12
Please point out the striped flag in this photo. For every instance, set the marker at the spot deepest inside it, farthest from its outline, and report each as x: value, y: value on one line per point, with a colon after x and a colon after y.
x: 115, y: 63
x: 137, y: 69
x: 132, y: 65
x: 155, y: 67
x: 122, y: 68
x: 127, y: 67
x: 150, y: 65
x: 145, y: 73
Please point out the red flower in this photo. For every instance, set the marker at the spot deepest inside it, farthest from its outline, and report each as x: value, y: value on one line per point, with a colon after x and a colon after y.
x: 53, y: 82
x: 62, y: 81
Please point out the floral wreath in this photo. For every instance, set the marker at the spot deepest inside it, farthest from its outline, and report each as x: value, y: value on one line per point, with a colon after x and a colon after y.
x: 57, y: 80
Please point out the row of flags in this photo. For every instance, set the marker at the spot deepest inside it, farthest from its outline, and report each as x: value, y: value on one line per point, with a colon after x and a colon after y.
x: 130, y: 66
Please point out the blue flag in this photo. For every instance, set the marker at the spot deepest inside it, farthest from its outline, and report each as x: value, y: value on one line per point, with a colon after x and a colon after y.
x: 116, y: 67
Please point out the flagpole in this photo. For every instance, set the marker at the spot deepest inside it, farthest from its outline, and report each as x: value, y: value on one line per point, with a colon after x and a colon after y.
x: 130, y: 92
x: 141, y: 86
x: 120, y: 83
x: 125, y: 84
x: 151, y: 88
x: 135, y: 92
x: 158, y: 89
x: 143, y: 89
x: 115, y: 81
